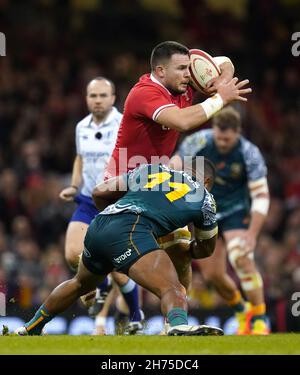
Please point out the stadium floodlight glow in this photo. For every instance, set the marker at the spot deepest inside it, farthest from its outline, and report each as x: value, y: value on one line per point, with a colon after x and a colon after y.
x: 2, y: 44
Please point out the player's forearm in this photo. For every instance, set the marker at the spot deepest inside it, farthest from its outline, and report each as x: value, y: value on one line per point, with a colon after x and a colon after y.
x: 256, y: 223
x: 202, y: 249
x: 109, y: 191
x: 227, y: 70
x: 77, y: 172
x: 259, y: 208
x: 186, y: 119
x: 191, y: 118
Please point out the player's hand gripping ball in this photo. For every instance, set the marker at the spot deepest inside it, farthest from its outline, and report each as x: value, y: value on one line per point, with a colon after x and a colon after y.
x: 203, y: 68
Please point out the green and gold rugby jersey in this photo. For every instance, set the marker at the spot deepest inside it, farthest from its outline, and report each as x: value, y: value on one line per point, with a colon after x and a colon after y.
x: 170, y: 199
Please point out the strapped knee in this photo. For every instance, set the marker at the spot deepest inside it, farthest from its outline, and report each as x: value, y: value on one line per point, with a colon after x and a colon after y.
x: 249, y: 280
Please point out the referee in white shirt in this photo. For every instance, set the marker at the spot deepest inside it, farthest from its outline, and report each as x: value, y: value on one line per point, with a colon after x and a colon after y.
x: 95, y: 139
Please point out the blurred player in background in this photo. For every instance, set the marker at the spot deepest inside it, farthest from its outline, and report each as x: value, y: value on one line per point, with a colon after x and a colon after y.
x: 156, y: 110
x: 241, y: 175
x: 123, y: 237
x: 95, y: 138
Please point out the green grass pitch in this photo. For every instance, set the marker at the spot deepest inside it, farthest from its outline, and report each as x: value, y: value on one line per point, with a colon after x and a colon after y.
x: 105, y: 345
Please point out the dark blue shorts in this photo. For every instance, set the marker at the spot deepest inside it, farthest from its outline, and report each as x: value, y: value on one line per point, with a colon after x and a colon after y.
x: 115, y: 242
x: 86, y: 210
x: 237, y: 220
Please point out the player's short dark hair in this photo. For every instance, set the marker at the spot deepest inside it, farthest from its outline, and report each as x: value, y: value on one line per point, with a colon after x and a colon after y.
x: 227, y: 118
x: 209, y: 168
x: 100, y: 78
x: 165, y: 50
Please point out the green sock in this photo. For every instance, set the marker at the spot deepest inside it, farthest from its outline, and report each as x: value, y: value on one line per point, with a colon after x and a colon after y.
x: 177, y: 316
x: 37, y: 323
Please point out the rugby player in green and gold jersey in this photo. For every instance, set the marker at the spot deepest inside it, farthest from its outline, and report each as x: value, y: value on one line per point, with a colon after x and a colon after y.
x: 123, y: 237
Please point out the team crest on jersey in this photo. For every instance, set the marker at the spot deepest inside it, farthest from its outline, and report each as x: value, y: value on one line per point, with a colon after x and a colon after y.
x: 235, y: 170
x: 186, y: 95
x: 202, y: 142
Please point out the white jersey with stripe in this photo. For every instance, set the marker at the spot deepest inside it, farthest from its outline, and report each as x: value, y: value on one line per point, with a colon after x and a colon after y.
x: 95, y: 152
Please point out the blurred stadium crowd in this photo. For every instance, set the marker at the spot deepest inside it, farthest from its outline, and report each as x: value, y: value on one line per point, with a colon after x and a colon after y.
x: 55, y: 47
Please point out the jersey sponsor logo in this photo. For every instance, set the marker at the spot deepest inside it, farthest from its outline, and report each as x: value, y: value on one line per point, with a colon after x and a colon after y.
x: 123, y: 256
x: 94, y: 154
x: 236, y: 170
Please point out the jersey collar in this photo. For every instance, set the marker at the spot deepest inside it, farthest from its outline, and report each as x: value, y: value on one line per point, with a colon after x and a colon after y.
x: 153, y: 79
x: 106, y: 122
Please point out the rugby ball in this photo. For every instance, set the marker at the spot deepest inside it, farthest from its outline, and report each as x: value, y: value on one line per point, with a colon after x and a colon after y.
x: 202, y: 69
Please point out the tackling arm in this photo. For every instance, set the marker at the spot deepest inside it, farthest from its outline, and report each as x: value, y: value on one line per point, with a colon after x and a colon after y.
x: 204, y: 244
x: 200, y: 249
x: 109, y: 191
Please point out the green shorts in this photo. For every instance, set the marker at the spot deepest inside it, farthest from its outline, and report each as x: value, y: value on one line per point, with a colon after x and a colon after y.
x: 237, y: 220
x: 115, y: 242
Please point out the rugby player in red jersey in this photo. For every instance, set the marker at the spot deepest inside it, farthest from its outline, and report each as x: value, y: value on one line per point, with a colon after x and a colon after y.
x: 159, y: 107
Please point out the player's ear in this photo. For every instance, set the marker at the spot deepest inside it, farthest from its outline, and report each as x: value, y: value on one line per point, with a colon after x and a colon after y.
x: 160, y: 71
x: 208, y: 183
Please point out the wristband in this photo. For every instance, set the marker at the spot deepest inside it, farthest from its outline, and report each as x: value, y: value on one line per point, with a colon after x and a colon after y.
x: 212, y: 105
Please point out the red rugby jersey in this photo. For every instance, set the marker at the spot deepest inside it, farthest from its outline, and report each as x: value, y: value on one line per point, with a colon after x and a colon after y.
x: 140, y: 137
